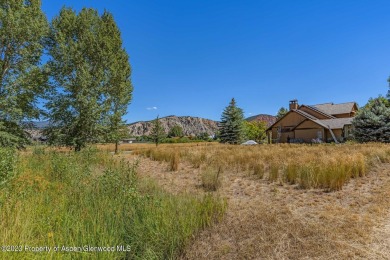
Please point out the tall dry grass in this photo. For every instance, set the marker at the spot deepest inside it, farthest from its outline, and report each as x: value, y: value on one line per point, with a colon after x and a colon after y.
x: 325, y: 166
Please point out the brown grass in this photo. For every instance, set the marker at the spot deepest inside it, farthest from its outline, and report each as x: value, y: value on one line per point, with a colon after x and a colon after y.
x: 211, y: 178
x: 270, y: 215
x: 326, y: 167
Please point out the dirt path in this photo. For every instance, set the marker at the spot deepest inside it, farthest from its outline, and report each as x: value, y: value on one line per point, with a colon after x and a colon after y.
x: 278, y: 221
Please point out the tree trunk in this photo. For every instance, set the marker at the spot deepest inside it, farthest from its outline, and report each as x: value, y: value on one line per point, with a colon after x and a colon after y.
x: 116, y: 147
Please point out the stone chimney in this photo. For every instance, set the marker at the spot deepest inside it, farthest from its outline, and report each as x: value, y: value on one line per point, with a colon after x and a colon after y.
x: 293, y: 104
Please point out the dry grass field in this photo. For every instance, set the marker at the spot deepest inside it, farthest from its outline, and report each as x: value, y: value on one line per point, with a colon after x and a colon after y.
x: 284, y: 201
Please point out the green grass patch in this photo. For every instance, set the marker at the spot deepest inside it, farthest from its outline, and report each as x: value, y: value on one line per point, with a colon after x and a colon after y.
x: 82, y: 201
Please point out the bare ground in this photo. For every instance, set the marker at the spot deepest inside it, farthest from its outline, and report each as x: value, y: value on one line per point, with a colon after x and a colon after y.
x: 280, y: 221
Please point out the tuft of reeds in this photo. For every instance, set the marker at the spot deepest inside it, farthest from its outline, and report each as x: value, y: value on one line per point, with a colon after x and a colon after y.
x: 210, y: 178
x: 259, y: 169
x: 174, y: 162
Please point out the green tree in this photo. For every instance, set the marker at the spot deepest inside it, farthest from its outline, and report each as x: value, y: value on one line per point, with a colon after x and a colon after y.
x: 372, y: 123
x: 12, y: 135
x: 203, y: 136
x: 281, y: 112
x: 255, y: 130
x: 157, y: 133
x: 91, y: 78
x: 116, y: 132
x: 176, y: 131
x: 372, y: 101
x: 231, y: 125
x: 23, y: 26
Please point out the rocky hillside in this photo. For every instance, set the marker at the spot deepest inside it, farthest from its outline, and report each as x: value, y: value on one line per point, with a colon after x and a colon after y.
x: 262, y: 117
x: 190, y: 125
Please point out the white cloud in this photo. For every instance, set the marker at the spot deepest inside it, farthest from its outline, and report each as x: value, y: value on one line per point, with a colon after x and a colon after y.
x: 151, y: 108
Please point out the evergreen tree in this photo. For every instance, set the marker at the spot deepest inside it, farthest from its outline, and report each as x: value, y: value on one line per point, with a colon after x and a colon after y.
x: 157, y: 133
x: 281, y: 112
x: 231, y: 125
x: 91, y: 78
x: 372, y: 123
x: 23, y: 26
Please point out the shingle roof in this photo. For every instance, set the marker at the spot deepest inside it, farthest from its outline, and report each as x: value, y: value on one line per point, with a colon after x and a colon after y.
x: 318, y: 111
x: 335, y: 109
x: 303, y: 113
x: 337, y: 123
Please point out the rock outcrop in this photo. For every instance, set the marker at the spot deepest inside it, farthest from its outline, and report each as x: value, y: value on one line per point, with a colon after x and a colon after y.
x: 190, y: 125
x: 268, y: 119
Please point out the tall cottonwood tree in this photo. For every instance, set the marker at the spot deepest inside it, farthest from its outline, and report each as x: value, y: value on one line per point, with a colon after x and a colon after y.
x: 23, y: 26
x: 255, y: 130
x: 232, y: 123
x: 90, y: 76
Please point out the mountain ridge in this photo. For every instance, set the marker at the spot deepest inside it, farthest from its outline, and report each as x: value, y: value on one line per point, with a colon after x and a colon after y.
x: 268, y: 119
x: 191, y: 125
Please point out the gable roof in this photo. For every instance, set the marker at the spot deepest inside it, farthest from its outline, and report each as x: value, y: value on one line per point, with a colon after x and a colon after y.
x: 302, y: 113
x: 335, y: 109
x: 317, y: 110
x: 335, y: 123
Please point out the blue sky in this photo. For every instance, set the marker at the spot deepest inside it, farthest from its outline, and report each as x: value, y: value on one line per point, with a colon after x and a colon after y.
x: 192, y: 57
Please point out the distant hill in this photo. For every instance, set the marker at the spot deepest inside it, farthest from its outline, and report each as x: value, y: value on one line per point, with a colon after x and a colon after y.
x: 36, y: 124
x: 190, y: 125
x: 268, y: 119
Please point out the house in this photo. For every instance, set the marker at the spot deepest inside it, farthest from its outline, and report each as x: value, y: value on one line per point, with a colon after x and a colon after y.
x: 316, y: 123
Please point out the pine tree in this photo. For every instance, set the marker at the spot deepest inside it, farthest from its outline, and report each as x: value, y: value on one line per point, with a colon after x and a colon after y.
x: 281, y: 112
x: 22, y: 78
x: 231, y: 125
x: 157, y: 133
x: 91, y: 75
x: 372, y: 123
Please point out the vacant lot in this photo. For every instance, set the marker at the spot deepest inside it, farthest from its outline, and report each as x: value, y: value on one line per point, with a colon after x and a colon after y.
x: 284, y: 202
x: 88, y: 205
x: 198, y: 201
